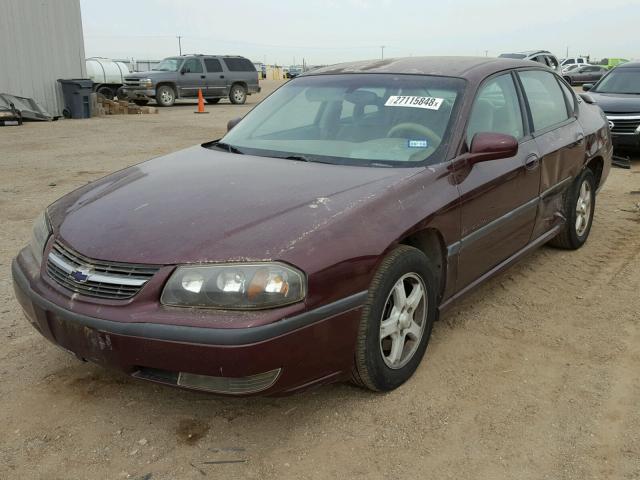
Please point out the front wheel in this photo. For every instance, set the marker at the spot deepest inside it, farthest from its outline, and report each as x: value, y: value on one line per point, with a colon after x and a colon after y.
x: 165, y: 96
x: 238, y: 94
x: 580, y: 204
x: 396, y: 320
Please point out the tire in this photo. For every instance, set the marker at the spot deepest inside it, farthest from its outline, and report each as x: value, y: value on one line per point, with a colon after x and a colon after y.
x: 374, y: 366
x: 120, y: 93
x: 106, y: 92
x: 579, y: 203
x: 238, y: 94
x: 212, y: 101
x: 141, y: 103
x: 165, y: 96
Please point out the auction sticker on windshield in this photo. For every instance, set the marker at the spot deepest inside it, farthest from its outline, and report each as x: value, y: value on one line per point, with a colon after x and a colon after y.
x: 430, y: 103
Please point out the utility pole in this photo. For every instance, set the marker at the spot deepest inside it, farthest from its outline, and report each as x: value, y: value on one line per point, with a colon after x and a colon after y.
x: 486, y: 53
x: 567, y: 55
x: 382, y: 51
x: 179, y: 37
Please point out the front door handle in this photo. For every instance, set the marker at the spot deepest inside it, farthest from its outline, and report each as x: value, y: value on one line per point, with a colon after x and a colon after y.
x: 203, y: 76
x: 532, y: 161
x: 221, y: 76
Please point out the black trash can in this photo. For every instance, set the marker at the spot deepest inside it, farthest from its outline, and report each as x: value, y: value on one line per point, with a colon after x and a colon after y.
x: 76, y: 92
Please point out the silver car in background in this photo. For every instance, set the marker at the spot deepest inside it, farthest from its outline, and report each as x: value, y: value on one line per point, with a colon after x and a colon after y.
x: 544, y: 57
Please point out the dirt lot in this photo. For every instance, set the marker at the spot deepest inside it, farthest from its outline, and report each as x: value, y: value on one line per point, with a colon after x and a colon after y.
x: 536, y: 375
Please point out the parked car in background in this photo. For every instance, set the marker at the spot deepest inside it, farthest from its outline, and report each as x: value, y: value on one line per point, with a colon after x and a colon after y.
x: 574, y: 66
x: 107, y: 75
x: 584, y: 74
x: 618, y: 94
x: 218, y: 76
x: 610, y: 63
x: 541, y: 56
x: 318, y: 240
x: 294, y: 71
x: 565, y: 62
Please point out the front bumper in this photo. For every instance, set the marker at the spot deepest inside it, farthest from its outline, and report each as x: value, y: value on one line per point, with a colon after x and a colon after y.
x: 626, y: 141
x: 133, y: 93
x: 311, y: 348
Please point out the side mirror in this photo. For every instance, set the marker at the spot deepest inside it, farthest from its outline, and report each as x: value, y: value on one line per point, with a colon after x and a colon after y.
x: 487, y: 146
x: 587, y: 86
x: 232, y: 123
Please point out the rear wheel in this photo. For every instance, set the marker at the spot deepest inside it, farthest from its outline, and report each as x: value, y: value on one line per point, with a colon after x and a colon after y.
x: 396, y: 320
x: 580, y: 204
x: 106, y: 92
x: 165, y: 96
x: 238, y: 94
x: 212, y: 101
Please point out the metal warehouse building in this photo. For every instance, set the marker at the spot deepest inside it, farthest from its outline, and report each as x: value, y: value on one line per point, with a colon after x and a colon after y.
x: 40, y: 41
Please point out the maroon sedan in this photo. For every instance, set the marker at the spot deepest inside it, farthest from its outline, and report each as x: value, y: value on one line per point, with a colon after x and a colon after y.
x: 322, y: 236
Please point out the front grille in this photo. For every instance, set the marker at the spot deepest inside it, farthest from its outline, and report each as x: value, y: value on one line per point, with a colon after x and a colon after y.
x: 132, y: 82
x: 96, y: 278
x: 624, y: 124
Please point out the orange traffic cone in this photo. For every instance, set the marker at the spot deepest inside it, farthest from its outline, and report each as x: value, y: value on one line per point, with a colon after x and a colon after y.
x: 200, y: 102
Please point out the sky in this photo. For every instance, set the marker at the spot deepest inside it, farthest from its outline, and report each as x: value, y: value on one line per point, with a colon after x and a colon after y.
x: 323, y: 32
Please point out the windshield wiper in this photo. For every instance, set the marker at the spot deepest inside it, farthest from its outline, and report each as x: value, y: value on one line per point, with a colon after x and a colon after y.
x: 300, y: 158
x: 228, y: 148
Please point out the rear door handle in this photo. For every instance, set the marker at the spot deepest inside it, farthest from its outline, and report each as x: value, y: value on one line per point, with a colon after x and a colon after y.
x: 532, y: 161
x: 221, y: 76
x: 203, y: 76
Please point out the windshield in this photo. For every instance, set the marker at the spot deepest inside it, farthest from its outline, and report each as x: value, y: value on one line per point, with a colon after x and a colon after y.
x: 518, y: 56
x: 357, y: 119
x: 620, y: 80
x: 168, y: 65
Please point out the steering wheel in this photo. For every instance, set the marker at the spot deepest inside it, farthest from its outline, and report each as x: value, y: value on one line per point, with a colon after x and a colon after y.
x: 416, y: 128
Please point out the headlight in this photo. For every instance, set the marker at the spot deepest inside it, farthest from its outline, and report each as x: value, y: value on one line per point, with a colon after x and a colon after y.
x: 234, y: 286
x: 146, y: 82
x: 39, y: 236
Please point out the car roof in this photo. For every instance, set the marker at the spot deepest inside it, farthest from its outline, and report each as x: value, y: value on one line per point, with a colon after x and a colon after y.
x: 465, y: 67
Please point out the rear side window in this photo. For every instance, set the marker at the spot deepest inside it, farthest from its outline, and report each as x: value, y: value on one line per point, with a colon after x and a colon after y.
x: 212, y: 64
x: 496, y: 109
x: 546, y: 100
x: 192, y: 65
x: 239, y: 65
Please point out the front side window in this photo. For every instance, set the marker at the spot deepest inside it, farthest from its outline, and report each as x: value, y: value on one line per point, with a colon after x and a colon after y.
x: 545, y: 98
x: 193, y: 65
x: 357, y: 119
x: 496, y: 109
x: 620, y: 80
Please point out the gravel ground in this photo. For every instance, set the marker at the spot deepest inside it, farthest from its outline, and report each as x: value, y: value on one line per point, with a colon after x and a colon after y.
x: 535, y: 375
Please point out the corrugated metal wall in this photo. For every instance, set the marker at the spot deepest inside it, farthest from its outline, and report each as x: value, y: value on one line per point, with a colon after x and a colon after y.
x: 40, y: 41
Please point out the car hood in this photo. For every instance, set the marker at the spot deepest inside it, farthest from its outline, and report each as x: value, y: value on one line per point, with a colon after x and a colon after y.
x: 203, y: 205
x: 617, y: 102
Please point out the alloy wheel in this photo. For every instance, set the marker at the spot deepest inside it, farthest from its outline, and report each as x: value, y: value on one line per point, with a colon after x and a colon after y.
x: 404, y: 318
